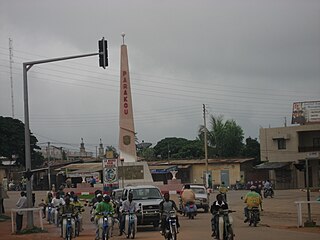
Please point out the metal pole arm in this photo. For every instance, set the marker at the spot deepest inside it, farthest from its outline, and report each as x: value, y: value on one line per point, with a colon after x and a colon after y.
x: 30, y: 64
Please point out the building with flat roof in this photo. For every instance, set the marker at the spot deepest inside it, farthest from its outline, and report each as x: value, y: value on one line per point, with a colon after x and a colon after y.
x: 284, y: 151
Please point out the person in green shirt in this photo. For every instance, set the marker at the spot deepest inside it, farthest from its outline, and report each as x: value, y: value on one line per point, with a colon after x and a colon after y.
x: 103, y: 207
x: 252, y: 199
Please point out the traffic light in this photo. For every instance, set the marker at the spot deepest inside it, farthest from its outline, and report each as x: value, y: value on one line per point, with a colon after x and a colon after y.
x: 103, y: 53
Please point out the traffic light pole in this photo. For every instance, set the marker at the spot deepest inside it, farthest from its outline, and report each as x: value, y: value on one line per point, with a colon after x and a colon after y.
x: 26, y: 67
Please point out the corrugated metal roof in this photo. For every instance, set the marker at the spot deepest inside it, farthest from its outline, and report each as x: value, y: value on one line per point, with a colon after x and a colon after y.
x: 201, y: 161
x: 272, y: 165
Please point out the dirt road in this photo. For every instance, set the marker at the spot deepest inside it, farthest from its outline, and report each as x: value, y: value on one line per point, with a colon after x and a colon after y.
x: 279, y: 220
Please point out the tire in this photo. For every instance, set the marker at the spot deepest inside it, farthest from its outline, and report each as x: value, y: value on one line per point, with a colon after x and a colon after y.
x: 174, y: 234
x: 265, y: 195
x: 206, y: 209
x: 133, y: 232
x: 230, y: 235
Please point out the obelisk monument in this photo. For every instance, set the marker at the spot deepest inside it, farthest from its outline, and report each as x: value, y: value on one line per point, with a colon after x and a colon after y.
x: 127, y: 144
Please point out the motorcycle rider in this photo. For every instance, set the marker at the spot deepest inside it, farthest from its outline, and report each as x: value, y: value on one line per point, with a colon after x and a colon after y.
x: 127, y: 206
x: 57, y: 202
x: 48, y: 201
x: 65, y: 209
x: 223, y: 190
x: 252, y: 199
x: 95, y: 199
x: 215, y: 207
x: 268, y: 186
x: 188, y: 197
x: 98, y: 199
x: 79, y: 208
x: 165, y: 207
x: 103, y: 206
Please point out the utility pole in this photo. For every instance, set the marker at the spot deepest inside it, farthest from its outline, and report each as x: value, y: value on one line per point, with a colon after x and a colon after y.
x: 205, y: 144
x: 11, y: 79
x: 49, y: 158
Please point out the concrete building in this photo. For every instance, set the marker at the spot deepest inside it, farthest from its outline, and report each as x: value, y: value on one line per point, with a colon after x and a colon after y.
x: 284, y: 151
x: 193, y: 171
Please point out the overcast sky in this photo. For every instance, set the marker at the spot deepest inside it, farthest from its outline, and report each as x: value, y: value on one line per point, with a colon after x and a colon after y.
x: 246, y: 60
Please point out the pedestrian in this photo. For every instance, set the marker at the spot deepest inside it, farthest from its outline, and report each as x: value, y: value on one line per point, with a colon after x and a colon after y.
x: 22, y: 203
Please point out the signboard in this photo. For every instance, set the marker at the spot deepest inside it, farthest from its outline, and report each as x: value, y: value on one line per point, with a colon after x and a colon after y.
x: 313, y: 155
x: 110, y: 176
x: 306, y: 112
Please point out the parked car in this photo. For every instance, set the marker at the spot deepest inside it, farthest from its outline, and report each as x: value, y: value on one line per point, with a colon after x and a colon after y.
x: 149, y: 197
x: 202, y: 196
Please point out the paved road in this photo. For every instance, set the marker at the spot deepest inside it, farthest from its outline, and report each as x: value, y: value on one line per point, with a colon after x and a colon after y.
x: 278, y: 221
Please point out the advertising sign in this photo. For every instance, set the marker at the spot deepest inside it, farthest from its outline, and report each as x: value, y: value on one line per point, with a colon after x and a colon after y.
x: 306, y: 112
x: 110, y: 176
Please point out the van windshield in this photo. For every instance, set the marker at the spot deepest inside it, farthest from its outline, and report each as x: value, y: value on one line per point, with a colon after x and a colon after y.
x: 146, y: 193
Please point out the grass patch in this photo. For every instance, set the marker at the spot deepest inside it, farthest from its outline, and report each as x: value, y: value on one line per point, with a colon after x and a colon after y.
x: 86, y: 197
x: 32, y: 230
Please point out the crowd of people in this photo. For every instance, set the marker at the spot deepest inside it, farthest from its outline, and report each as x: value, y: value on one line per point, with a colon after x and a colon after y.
x: 68, y: 203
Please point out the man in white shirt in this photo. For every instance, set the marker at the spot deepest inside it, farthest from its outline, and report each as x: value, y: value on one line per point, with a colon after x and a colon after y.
x: 127, y: 206
x: 56, y: 202
x: 22, y: 203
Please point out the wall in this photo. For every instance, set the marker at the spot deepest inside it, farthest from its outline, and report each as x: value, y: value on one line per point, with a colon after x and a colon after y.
x: 269, y: 146
x: 198, y: 169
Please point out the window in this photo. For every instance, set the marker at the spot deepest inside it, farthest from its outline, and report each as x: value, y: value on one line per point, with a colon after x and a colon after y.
x: 316, y: 142
x: 281, y: 143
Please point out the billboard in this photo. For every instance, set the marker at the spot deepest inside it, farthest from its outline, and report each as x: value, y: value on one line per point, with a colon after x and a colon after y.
x: 110, y: 176
x: 306, y: 112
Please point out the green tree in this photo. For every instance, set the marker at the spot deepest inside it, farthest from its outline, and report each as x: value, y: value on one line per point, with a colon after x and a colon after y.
x: 112, y: 148
x: 178, y: 148
x: 252, y: 149
x: 224, y: 138
x: 12, y: 142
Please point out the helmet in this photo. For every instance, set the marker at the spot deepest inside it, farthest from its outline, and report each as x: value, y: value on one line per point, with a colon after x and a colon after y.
x: 97, y: 192
x: 106, y: 197
x: 99, y: 195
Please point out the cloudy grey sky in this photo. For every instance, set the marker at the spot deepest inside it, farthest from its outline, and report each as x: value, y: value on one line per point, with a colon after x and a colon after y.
x: 248, y: 60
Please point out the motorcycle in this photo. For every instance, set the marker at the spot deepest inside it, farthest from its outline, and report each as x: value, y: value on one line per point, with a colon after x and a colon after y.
x: 104, y: 224
x: 67, y: 226
x: 50, y: 215
x: 191, y: 210
x: 78, y: 220
x: 171, y: 226
x: 268, y: 192
x: 225, y: 230
x: 131, y: 221
x: 254, y: 216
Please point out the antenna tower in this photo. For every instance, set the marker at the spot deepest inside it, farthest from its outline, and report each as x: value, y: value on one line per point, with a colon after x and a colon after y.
x: 11, y: 79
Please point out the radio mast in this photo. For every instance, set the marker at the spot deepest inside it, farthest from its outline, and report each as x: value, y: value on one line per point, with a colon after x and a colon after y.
x: 11, y: 79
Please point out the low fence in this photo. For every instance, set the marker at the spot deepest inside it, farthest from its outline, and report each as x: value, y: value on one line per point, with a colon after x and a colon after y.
x: 299, y: 210
x: 25, y: 210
